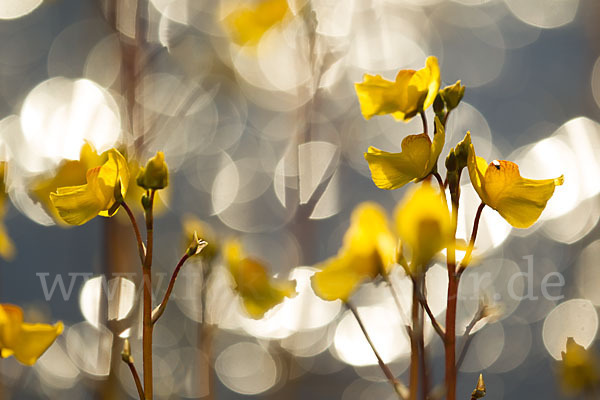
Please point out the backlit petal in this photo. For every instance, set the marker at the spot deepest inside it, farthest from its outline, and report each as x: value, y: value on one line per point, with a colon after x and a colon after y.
x: 34, y: 340
x: 393, y: 170
x: 76, y: 205
x: 424, y: 225
x: 519, y: 200
x: 378, y: 96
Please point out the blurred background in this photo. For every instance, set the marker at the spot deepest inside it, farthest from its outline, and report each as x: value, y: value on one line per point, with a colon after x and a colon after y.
x: 253, y: 104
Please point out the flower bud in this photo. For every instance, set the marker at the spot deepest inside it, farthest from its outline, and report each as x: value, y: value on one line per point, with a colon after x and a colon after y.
x: 156, y: 173
x: 452, y: 95
x: 126, y: 353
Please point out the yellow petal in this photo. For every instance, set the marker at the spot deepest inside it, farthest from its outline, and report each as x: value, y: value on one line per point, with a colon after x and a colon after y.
x: 76, y: 205
x: 247, y: 25
x: 439, y: 139
x: 34, y: 340
x: 427, y: 83
x: 69, y: 173
x: 519, y: 200
x: 378, y: 96
x: 370, y: 239
x: 11, y: 318
x: 113, y: 171
x: 258, y: 292
x: 338, y: 279
x: 477, y: 167
x: 369, y: 249
x: 424, y: 225
x: 7, y: 247
x: 393, y: 170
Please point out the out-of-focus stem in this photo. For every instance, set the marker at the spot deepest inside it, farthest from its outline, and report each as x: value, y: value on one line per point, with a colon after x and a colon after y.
x: 386, y: 370
x: 421, y: 292
x: 436, y: 325
x: 414, y: 346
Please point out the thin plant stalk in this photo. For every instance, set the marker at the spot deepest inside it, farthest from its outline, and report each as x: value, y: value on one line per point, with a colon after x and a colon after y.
x: 450, y: 342
x: 386, y: 370
x: 163, y: 304
x: 136, y: 230
x: 467, y: 258
x: 421, y: 292
x: 424, y: 119
x: 414, y: 346
x: 136, y: 379
x: 147, y: 312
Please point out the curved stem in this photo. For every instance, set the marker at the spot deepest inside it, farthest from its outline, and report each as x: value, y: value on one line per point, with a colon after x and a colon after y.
x: 424, y: 119
x: 158, y: 311
x: 445, y: 119
x: 136, y: 378
x: 396, y: 298
x: 442, y: 186
x: 386, y: 370
x: 147, y: 315
x: 136, y: 230
x: 467, y: 337
x: 436, y: 325
x: 467, y: 258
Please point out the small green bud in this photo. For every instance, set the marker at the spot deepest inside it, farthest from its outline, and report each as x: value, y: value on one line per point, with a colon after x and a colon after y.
x: 196, y: 246
x: 462, y: 151
x: 479, y: 391
x: 451, y: 163
x: 156, y: 173
x: 146, y: 202
x: 438, y: 104
x: 126, y: 353
x: 452, y: 95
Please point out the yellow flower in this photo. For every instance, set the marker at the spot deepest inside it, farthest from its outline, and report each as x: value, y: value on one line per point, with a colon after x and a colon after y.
x: 368, y: 250
x: 520, y: 201
x: 411, y: 92
x: 69, y: 173
x: 579, y: 370
x: 259, y: 293
x: 7, y: 248
x: 77, y: 205
x: 26, y: 342
x: 416, y: 161
x: 424, y: 226
x: 248, y: 24
x: 156, y: 173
